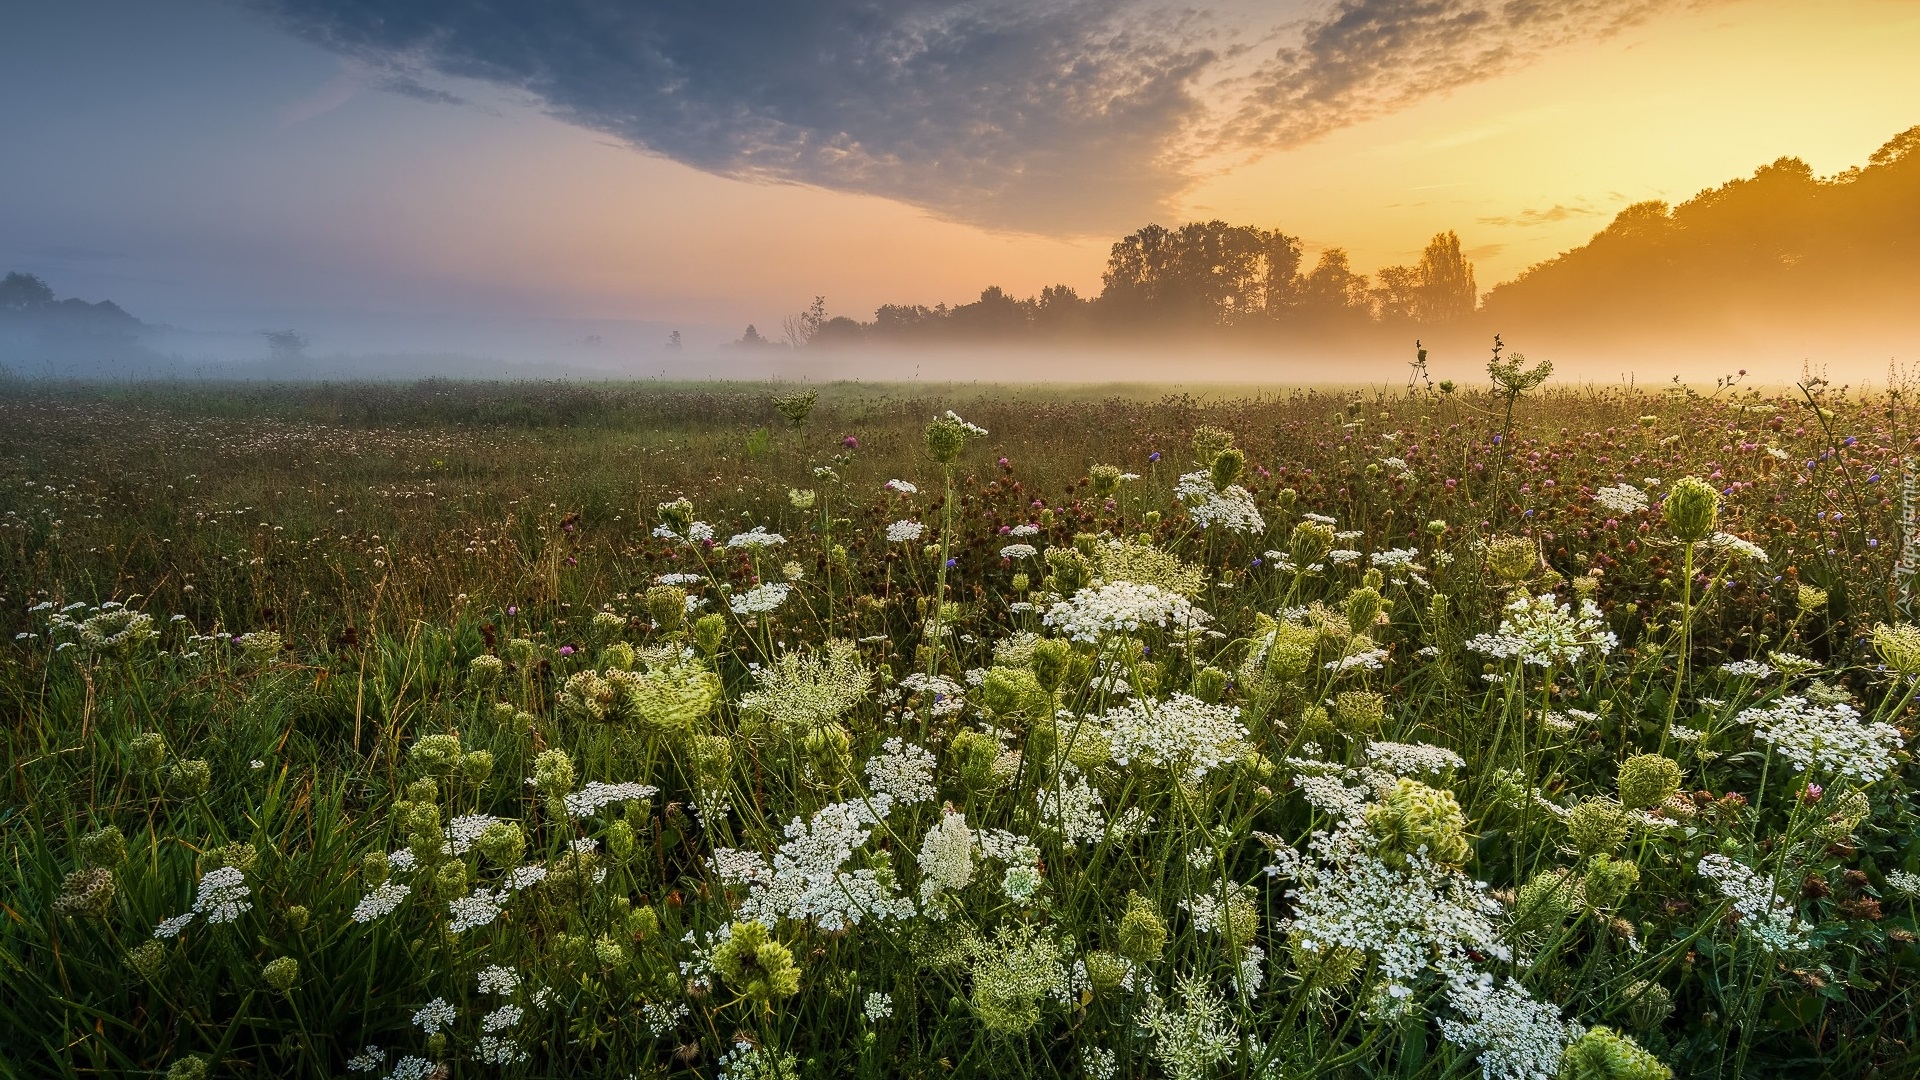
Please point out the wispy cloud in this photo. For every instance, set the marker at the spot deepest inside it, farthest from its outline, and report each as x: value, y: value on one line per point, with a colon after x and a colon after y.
x: 1525, y: 218
x: 1047, y: 115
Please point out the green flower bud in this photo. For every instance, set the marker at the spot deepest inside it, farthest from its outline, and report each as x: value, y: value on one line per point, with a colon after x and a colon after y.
x: 1071, y: 570
x: 1438, y: 607
x: 239, y: 855
x: 1364, y: 606
x: 484, y: 670
x: 1209, y: 442
x: 666, y: 606
x: 476, y: 766
x: 1648, y: 780
x: 105, y: 846
x: 297, y: 917
x: 755, y: 966
x: 281, y: 974
x: 191, y: 1067
x: 502, y: 843
x: 1210, y: 684
x: 1898, y: 646
x: 1049, y: 662
x: 710, y: 633
x: 945, y: 438
x: 643, y: 923
x: 451, y: 879
x: 1608, y: 880
x: 148, y: 751
x: 553, y: 772
x: 1648, y: 1004
x: 375, y: 868
x: 1597, y: 826
x: 1359, y: 712
x: 1605, y: 1054
x: 425, y: 790
x: 1021, y: 582
x: 1106, y: 479
x: 604, y: 627
x: 1691, y: 508
x: 1310, y: 543
x: 1512, y: 559
x: 148, y: 958
x: 503, y: 713
x: 190, y: 779
x: 1142, y: 933
x: 620, y: 840
x: 1152, y: 519
x: 1324, y: 967
x: 1105, y: 971
x: 1226, y: 468
x: 1414, y: 818
x: 435, y: 753
x: 1547, y: 899
x: 608, y: 952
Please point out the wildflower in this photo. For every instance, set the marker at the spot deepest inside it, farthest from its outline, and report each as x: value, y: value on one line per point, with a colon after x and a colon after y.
x: 1648, y: 780
x: 1769, y: 919
x: 1898, y: 646
x: 1182, y: 734
x: 411, y: 1067
x: 1904, y: 882
x: 171, y: 927
x: 1512, y: 558
x: 1746, y: 549
x: 1417, y: 819
x: 495, y: 1050
x: 1142, y: 934
x: 381, y: 901
x: 1230, y: 508
x: 1541, y: 632
x: 222, y: 896
x: 1191, y: 1042
x: 1120, y: 607
x: 589, y: 799
x: 367, y: 1060
x: 755, y: 966
x: 1621, y: 499
x: 807, y: 879
x: 1597, y: 825
x: 1827, y: 739
x: 879, y: 1006
x: 901, y: 487
x: 1604, y: 1054
x: 1691, y: 507
x: 494, y: 979
x: 760, y: 599
x: 756, y: 539
x: 1519, y: 1038
x: 903, y: 772
x: 476, y: 909
x: 1020, y: 968
x: 435, y: 1017
x: 1745, y: 669
x: 281, y: 974
x: 1405, y: 758
x: 1019, y: 551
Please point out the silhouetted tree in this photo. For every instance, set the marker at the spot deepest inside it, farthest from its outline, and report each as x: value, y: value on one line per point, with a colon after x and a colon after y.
x: 286, y: 345
x: 1446, y: 291
x: 1332, y: 290
x: 799, y: 329
x: 24, y: 292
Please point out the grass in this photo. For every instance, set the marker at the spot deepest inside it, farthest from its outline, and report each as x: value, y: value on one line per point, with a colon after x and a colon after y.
x: 322, y: 565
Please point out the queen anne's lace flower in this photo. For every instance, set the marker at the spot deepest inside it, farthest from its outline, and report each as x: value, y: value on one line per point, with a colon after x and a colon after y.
x: 904, y: 531
x: 495, y: 979
x: 1121, y: 607
x: 222, y: 896
x: 1405, y: 759
x: 756, y: 539
x: 1019, y: 551
x: 463, y: 831
x: 1518, y: 1036
x: 1734, y: 545
x: 1071, y: 809
x: 902, y: 772
x: 946, y: 857
x: 760, y: 599
x: 807, y: 880
x: 381, y: 901
x: 1827, y: 739
x: 476, y: 909
x: 1542, y: 633
x: 171, y: 927
x: 436, y: 1016
x: 1622, y: 499
x: 596, y: 794
x: 1181, y: 733
x: 1763, y: 914
x: 1231, y: 510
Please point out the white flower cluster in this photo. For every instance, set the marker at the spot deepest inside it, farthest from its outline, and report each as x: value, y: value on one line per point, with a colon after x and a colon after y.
x: 679, y: 579
x: 902, y: 772
x: 661, y: 1018
x: 1731, y: 544
x: 494, y: 1050
x: 879, y: 1006
x: 1019, y: 551
x: 945, y: 859
x: 1405, y: 759
x: 1746, y: 669
x: 1770, y: 919
x: 1120, y: 607
x: 902, y: 487
x: 1232, y: 509
x: 435, y: 1017
x: 1621, y: 499
x: 1025, y: 530
x: 221, y: 897
x: 368, y: 1060
x: 1071, y: 809
x: 1425, y: 915
x: 1519, y: 1037
x: 494, y: 979
x: 903, y: 531
x: 1542, y: 632
x: 973, y: 429
x: 807, y: 882
x: 760, y: 599
x: 596, y: 794
x: 1827, y: 739
x: 462, y: 831
x: 756, y: 538
x: 476, y: 909
x: 1181, y: 733
x: 381, y: 901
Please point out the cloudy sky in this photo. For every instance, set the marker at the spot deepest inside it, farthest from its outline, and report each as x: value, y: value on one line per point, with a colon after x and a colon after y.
x: 705, y: 163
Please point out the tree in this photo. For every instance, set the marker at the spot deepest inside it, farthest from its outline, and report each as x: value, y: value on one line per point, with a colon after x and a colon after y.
x: 800, y: 328
x: 752, y: 339
x: 1205, y: 272
x: 1332, y: 290
x: 1396, y: 297
x: 286, y: 345
x: 1446, y: 291
x: 24, y: 292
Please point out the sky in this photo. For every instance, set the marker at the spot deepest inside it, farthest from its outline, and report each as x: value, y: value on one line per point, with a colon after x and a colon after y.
x: 443, y: 174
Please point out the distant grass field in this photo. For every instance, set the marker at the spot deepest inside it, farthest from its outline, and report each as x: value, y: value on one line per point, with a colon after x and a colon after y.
x: 1263, y: 733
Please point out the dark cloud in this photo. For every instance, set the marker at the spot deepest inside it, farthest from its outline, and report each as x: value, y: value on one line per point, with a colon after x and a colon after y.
x: 1049, y: 115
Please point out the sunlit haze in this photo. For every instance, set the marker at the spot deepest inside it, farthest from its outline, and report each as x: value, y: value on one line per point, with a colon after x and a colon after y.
x: 225, y: 169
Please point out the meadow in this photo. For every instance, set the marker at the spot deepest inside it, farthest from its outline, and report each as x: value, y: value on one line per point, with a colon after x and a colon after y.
x: 457, y: 729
